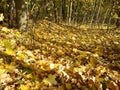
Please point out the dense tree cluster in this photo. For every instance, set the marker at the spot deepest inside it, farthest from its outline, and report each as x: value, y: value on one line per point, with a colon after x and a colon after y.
x: 22, y: 12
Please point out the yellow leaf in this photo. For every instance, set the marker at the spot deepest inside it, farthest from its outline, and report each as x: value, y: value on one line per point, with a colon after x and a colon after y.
x: 68, y: 86
x: 28, y: 76
x: 20, y: 56
x: 115, y: 16
x: 83, y: 54
x: 6, y: 43
x: 13, y: 43
x: 75, y: 50
x: 8, y: 46
x: 37, y: 50
x: 9, y: 51
x: 6, y: 30
x: 2, y: 70
x: 68, y: 43
x: 10, y: 67
x: 18, y: 34
x: 38, y: 35
x: 50, y: 80
x: 73, y: 38
x: 60, y: 88
x: 29, y: 53
x: 60, y: 52
x: 24, y: 87
x: 52, y: 65
x: 37, y: 83
x: 22, y: 47
x: 93, y: 60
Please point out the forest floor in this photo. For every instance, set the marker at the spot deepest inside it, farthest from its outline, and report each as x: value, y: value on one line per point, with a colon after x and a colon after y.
x: 59, y: 57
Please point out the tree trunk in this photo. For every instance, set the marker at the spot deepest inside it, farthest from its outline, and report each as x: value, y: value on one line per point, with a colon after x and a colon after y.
x: 64, y: 10
x: 55, y: 11
x: 98, y: 15
x: 93, y: 13
x: 118, y: 20
x: 70, y: 12
x: 21, y: 15
x: 11, y: 13
x: 1, y: 12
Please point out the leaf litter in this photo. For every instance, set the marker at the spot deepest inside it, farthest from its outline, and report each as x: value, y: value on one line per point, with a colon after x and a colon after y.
x: 59, y: 57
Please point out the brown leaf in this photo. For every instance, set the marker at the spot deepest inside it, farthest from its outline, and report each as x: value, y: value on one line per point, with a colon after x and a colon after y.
x: 113, y: 86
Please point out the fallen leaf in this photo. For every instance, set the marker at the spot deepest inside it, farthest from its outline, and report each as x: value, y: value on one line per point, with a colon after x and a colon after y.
x: 24, y: 87
x: 50, y: 80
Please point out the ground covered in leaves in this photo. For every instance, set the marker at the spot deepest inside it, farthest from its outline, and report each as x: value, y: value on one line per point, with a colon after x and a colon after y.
x: 59, y: 57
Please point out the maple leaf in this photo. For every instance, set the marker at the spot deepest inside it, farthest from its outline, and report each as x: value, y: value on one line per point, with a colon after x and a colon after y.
x: 9, y: 51
x: 2, y: 70
x: 50, y: 80
x: 24, y: 87
x: 8, y: 45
